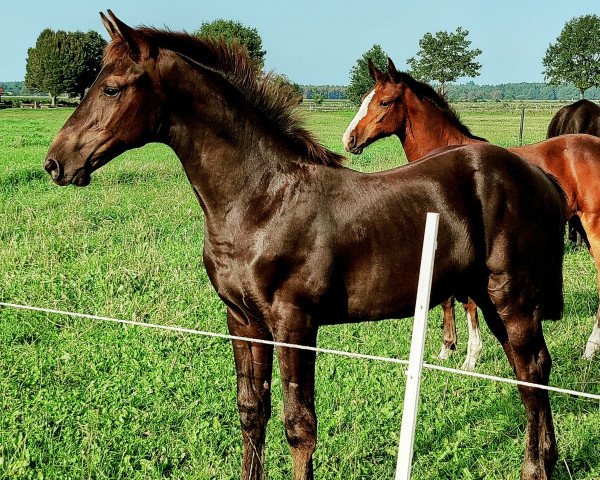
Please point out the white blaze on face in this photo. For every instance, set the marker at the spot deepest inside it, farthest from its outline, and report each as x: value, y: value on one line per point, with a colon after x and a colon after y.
x: 362, y: 111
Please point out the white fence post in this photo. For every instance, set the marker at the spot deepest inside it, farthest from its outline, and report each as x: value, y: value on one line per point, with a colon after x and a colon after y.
x: 417, y: 344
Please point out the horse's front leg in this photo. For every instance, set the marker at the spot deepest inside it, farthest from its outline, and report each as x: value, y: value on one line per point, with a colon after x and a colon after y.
x: 591, y: 225
x: 297, y: 369
x: 253, y: 364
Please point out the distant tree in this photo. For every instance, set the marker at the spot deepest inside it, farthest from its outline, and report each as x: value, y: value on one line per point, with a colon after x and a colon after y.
x: 445, y: 57
x: 326, y: 91
x: 43, y: 70
x: 319, y: 99
x: 12, y: 88
x: 230, y: 30
x: 360, y: 80
x: 86, y: 50
x: 575, y: 57
x: 291, y: 89
x: 63, y: 62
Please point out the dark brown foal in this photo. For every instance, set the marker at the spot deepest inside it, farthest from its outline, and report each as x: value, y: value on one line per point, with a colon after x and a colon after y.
x: 293, y: 240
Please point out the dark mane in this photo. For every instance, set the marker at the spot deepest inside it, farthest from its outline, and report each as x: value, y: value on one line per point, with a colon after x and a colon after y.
x: 231, y: 60
x: 425, y: 91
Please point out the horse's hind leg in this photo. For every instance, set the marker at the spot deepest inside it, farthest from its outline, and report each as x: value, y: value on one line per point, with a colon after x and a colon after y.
x: 591, y: 225
x: 533, y: 364
x: 521, y: 336
x: 475, y: 344
x: 449, y: 329
x: 253, y: 364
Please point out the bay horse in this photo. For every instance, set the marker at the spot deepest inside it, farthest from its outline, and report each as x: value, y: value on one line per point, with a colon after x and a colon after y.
x: 582, y: 116
x: 399, y: 105
x: 293, y: 240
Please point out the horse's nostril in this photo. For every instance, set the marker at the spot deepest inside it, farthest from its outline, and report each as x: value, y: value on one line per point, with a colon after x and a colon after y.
x: 53, y: 168
x: 352, y: 141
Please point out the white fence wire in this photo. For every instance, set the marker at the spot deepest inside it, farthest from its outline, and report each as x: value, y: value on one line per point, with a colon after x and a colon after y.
x: 302, y: 347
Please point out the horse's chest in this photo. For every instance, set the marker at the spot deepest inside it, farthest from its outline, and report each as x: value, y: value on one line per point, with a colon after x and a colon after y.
x: 226, y: 270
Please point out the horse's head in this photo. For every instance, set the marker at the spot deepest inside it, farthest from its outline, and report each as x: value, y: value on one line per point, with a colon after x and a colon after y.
x: 121, y: 110
x: 381, y: 112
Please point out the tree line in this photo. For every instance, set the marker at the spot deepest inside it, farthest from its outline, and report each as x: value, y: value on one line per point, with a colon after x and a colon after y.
x: 469, y: 91
x: 68, y: 62
x: 472, y: 92
x: 517, y: 91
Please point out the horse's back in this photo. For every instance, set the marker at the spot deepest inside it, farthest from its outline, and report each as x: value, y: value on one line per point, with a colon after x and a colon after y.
x: 574, y: 160
x: 582, y: 116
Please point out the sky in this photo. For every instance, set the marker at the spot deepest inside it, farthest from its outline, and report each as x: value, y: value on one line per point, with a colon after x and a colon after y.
x: 317, y: 42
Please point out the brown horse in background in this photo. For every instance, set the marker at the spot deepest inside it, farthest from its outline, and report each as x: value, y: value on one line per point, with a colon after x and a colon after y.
x: 582, y: 116
x: 293, y: 240
x: 400, y: 105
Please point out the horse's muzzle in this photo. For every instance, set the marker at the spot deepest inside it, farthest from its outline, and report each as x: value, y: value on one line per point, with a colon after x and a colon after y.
x: 54, y: 168
x: 351, y: 145
x: 80, y: 178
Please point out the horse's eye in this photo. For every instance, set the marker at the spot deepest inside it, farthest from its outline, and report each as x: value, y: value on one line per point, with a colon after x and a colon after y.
x: 385, y: 103
x: 111, y: 91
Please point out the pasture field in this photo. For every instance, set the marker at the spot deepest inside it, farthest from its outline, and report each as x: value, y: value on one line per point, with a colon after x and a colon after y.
x: 80, y: 399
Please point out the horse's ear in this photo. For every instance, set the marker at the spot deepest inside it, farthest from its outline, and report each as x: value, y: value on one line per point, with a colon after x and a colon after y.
x: 392, y: 72
x: 375, y: 73
x: 137, y: 43
x: 109, y: 26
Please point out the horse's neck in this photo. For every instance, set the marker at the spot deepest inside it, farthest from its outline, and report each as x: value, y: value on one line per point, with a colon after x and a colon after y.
x: 427, y: 128
x: 228, y: 157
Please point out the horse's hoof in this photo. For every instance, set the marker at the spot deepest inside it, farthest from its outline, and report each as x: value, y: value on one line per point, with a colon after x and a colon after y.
x: 445, y: 353
x: 590, y: 351
x: 469, y: 364
x: 593, y: 343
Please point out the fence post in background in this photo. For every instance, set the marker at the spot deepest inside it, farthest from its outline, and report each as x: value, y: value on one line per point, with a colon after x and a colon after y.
x: 417, y: 344
x: 522, y: 125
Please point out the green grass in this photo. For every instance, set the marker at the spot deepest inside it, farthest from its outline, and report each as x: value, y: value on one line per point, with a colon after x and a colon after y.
x: 82, y: 399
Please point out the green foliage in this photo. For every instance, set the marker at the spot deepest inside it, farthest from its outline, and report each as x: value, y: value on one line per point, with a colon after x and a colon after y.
x: 319, y: 99
x: 64, y: 62
x: 294, y: 90
x: 575, y: 57
x: 43, y: 70
x: 517, y: 91
x: 330, y: 92
x: 12, y: 88
x: 445, y: 57
x: 86, y: 51
x: 232, y: 30
x: 360, y: 80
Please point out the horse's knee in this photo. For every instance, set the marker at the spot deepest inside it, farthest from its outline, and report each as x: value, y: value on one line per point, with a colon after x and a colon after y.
x: 254, y: 412
x: 301, y: 429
